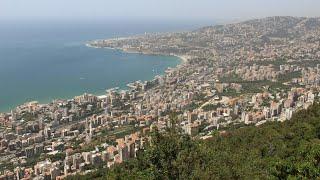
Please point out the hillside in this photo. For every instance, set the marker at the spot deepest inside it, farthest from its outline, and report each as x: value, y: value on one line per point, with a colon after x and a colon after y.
x: 271, y: 38
x: 271, y: 151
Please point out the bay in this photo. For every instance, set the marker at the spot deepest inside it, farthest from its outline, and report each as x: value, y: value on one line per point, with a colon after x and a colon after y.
x: 43, y: 60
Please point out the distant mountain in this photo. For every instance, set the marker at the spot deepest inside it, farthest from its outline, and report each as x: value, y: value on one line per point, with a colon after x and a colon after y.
x: 271, y: 27
x: 269, y: 23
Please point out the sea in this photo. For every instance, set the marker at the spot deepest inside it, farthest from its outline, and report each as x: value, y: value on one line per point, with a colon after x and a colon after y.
x: 46, y: 60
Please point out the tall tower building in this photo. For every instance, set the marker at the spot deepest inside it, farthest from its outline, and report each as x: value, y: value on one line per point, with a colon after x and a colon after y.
x: 89, y: 131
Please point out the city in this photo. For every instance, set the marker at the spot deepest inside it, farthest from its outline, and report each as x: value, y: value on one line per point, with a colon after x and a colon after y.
x: 240, y: 74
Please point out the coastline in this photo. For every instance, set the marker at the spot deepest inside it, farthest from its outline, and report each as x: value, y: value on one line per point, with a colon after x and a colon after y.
x: 182, y: 60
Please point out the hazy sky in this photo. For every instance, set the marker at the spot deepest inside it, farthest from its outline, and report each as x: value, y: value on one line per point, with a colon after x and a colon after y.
x: 155, y: 9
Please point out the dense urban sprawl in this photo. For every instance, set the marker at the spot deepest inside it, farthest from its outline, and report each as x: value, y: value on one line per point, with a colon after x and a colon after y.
x: 239, y: 74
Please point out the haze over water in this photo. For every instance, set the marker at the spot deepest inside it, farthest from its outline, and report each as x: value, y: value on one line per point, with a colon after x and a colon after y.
x: 43, y: 61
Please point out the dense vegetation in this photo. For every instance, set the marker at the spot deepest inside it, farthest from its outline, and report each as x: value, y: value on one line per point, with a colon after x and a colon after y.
x: 288, y: 150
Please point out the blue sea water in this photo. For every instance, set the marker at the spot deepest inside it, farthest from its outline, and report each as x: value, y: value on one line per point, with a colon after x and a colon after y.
x: 47, y: 60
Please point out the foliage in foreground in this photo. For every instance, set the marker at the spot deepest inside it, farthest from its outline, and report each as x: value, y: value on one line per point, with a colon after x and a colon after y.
x: 274, y: 150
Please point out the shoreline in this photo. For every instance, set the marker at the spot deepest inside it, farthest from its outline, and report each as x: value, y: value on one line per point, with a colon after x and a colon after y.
x: 182, y: 59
